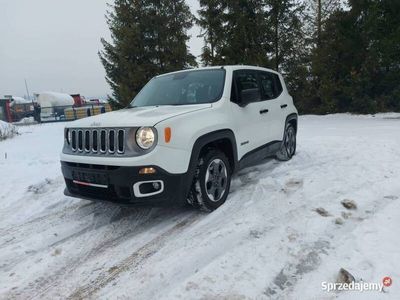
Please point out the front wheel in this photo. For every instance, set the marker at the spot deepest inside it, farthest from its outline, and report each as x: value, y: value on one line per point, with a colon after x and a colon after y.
x: 288, y: 147
x: 211, y: 182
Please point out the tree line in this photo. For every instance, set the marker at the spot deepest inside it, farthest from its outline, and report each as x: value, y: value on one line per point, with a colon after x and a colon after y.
x: 336, y: 56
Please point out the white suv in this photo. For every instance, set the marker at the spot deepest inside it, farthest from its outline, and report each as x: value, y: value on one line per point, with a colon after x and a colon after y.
x: 181, y: 138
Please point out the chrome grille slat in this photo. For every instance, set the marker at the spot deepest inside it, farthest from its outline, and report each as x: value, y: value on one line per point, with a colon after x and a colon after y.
x: 121, y: 141
x: 111, y: 141
x: 98, y: 141
x: 115, y: 140
x: 95, y: 140
x: 87, y: 141
x: 80, y: 140
x: 73, y: 140
x: 103, y: 141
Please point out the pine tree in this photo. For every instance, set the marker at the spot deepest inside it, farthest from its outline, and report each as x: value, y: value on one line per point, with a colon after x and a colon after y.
x: 211, y: 20
x: 379, y: 74
x: 337, y: 63
x: 358, y: 62
x: 148, y: 38
x: 335, y: 57
x: 319, y: 12
x: 234, y: 32
x: 284, y: 19
x: 246, y: 33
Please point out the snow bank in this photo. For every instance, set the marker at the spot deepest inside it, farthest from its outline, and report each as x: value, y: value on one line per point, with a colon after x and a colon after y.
x: 7, y: 130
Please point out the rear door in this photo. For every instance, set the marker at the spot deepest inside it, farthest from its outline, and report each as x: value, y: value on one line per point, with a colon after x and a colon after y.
x: 248, y: 120
x: 272, y: 99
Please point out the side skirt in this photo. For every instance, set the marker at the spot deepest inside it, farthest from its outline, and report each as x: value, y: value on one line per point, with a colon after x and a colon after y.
x: 257, y: 155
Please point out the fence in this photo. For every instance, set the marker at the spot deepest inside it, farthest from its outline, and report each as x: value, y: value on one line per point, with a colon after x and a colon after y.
x: 70, y: 113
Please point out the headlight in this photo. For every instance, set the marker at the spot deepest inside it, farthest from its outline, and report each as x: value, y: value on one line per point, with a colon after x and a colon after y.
x: 145, y: 137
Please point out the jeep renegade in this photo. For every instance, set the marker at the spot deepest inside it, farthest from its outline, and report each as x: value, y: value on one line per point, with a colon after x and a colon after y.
x: 181, y: 138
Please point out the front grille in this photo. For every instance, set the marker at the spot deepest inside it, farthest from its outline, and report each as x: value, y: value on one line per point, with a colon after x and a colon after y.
x: 97, y: 140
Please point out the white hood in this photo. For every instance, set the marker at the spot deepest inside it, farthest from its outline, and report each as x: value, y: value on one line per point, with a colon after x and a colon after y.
x: 138, y: 116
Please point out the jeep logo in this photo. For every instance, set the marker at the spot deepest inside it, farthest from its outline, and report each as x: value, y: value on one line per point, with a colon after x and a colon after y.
x: 95, y: 124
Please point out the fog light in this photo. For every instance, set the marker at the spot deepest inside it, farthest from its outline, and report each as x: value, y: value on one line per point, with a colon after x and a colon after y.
x: 156, y: 185
x: 147, y: 171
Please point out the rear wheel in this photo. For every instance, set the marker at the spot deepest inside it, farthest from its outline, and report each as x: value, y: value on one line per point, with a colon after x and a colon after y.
x: 288, y: 147
x: 211, y: 182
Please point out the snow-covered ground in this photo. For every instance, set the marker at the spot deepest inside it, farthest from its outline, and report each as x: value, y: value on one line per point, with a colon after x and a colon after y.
x: 267, y: 241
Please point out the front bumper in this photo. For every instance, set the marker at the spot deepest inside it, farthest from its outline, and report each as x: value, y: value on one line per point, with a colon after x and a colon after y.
x: 116, y: 184
x: 177, y: 162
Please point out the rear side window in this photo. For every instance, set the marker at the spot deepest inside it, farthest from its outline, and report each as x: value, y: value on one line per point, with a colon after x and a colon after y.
x: 267, y: 86
x: 245, y: 81
x: 278, y: 83
x: 271, y: 86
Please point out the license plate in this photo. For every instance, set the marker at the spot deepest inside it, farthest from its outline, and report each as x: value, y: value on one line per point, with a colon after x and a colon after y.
x: 94, y: 179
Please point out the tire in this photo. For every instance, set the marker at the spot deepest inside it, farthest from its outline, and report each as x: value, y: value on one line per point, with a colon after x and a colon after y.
x: 288, y: 147
x: 209, y: 191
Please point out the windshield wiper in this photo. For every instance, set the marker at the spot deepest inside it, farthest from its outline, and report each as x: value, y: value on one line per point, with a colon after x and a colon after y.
x: 131, y: 106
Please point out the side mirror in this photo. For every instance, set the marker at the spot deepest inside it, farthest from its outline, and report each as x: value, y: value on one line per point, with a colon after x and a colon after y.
x: 249, y: 96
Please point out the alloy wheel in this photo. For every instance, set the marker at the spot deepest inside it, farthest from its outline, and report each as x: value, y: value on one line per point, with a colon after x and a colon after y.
x: 216, y: 180
x: 290, y: 141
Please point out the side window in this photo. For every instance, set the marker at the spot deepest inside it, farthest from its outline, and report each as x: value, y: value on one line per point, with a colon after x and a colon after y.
x: 245, y: 84
x: 267, y: 85
x: 271, y: 86
x: 234, y: 97
x: 278, y: 85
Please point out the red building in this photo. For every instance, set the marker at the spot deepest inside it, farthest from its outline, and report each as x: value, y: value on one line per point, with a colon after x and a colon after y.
x: 5, y: 111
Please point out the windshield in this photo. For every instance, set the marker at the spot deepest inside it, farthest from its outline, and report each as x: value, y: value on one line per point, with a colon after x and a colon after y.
x: 189, y: 87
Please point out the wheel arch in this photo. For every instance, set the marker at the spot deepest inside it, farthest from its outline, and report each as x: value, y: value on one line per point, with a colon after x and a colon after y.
x: 223, y: 139
x: 292, y: 119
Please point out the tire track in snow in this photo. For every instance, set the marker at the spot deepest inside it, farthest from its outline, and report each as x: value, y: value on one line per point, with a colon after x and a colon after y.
x: 132, y: 261
x: 144, y: 218
x: 31, y: 226
x: 53, y: 224
x: 41, y: 285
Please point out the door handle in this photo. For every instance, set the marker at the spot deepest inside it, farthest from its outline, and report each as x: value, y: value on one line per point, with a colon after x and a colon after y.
x: 264, y: 111
x: 283, y: 105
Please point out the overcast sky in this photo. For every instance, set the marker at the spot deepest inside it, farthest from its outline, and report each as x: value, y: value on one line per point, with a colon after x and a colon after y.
x: 53, y: 44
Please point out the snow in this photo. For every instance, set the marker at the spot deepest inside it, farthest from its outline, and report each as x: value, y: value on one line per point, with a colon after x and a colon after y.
x: 50, y: 99
x: 7, y: 130
x: 267, y: 241
x: 26, y: 120
x: 20, y: 100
